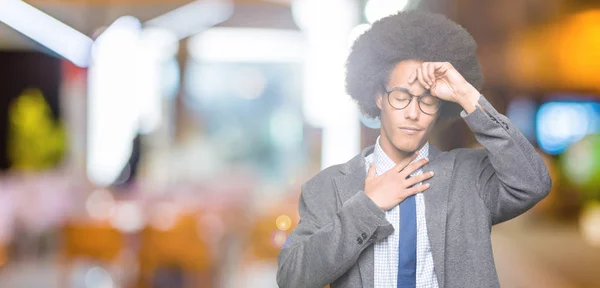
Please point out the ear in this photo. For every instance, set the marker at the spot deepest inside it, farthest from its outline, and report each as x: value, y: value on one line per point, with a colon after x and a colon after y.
x: 379, y: 100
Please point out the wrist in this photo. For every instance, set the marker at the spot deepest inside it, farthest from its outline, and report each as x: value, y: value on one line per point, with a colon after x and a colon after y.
x: 469, y: 99
x: 374, y: 199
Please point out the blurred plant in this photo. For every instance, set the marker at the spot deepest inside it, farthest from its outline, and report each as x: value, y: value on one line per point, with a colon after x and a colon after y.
x: 35, y: 140
x: 581, y: 165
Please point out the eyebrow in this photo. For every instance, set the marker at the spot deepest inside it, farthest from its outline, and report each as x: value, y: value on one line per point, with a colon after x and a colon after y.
x: 426, y: 92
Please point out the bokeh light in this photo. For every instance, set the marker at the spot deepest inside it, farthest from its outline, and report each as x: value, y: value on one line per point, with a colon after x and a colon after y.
x: 278, y: 238
x: 283, y: 222
x: 164, y: 216
x: 128, y: 217
x: 561, y: 123
x: 100, y: 205
x: 589, y: 223
x: 98, y: 277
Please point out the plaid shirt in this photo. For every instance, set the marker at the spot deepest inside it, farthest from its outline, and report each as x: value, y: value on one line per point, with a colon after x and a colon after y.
x: 386, y: 250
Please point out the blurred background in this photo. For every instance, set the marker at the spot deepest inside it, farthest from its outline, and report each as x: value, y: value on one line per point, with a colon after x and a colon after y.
x: 162, y: 143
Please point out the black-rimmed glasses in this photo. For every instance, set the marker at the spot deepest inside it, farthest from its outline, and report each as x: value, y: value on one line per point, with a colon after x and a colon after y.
x: 399, y: 98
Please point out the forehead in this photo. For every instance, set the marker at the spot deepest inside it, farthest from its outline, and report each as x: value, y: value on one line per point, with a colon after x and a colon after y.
x: 401, y: 72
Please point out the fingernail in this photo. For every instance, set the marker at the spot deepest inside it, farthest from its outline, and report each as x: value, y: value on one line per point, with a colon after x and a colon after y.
x: 431, y: 173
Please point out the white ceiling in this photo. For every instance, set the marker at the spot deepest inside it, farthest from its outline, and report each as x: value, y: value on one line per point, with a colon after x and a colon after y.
x: 85, y: 18
x: 88, y: 18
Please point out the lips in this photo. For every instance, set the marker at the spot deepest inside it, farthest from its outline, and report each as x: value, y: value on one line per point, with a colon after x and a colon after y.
x: 409, y: 130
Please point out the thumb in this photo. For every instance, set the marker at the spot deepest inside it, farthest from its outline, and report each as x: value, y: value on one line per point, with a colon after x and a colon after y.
x: 372, y: 172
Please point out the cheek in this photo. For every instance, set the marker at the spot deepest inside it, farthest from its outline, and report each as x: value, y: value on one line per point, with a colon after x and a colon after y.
x: 392, y: 118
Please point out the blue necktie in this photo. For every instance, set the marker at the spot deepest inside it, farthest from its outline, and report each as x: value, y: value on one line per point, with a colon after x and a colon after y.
x: 407, y: 246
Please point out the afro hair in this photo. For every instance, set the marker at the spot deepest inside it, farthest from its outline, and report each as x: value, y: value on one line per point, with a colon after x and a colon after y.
x: 408, y: 35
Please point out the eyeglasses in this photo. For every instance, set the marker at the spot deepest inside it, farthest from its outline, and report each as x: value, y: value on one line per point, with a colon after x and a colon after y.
x: 399, y: 98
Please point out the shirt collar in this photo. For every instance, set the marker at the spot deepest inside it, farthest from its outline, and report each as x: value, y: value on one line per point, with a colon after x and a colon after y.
x: 383, y: 163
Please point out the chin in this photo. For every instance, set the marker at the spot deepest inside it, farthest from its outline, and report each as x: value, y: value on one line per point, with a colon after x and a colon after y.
x: 407, y: 147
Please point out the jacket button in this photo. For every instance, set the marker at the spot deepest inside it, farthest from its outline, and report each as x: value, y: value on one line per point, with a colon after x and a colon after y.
x: 359, y: 240
x: 364, y: 235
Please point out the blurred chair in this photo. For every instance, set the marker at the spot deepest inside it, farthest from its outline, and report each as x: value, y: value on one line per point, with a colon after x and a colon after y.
x: 272, y: 227
x: 3, y: 254
x: 266, y: 239
x: 95, y: 241
x: 177, y: 248
x: 266, y: 235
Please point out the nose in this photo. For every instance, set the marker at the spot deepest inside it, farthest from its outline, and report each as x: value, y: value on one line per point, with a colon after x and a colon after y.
x: 412, y: 111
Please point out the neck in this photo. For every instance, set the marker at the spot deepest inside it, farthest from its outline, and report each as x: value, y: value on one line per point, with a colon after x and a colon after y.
x: 394, y: 153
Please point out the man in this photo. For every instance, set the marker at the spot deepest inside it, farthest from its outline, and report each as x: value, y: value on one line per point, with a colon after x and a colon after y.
x: 402, y: 213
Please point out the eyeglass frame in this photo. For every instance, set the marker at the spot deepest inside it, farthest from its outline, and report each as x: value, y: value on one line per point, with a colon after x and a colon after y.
x: 401, y: 89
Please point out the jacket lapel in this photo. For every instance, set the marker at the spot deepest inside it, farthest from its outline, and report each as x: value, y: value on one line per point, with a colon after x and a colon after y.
x: 349, y: 183
x: 352, y: 179
x: 436, y: 205
x: 353, y: 174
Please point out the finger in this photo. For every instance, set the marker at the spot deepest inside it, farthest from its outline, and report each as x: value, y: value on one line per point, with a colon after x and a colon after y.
x: 417, y: 189
x: 402, y: 165
x: 421, y: 79
x: 426, y: 76
x: 418, y: 178
x: 412, y: 77
x: 372, y: 172
x: 431, y: 72
x: 414, y: 167
x: 441, y: 68
x: 433, y: 89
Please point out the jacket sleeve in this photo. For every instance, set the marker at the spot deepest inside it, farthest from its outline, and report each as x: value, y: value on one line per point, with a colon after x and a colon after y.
x: 323, y: 247
x: 512, y: 177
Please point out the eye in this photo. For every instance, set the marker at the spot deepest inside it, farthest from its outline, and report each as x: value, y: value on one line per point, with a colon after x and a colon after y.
x: 430, y: 100
x: 400, y: 96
